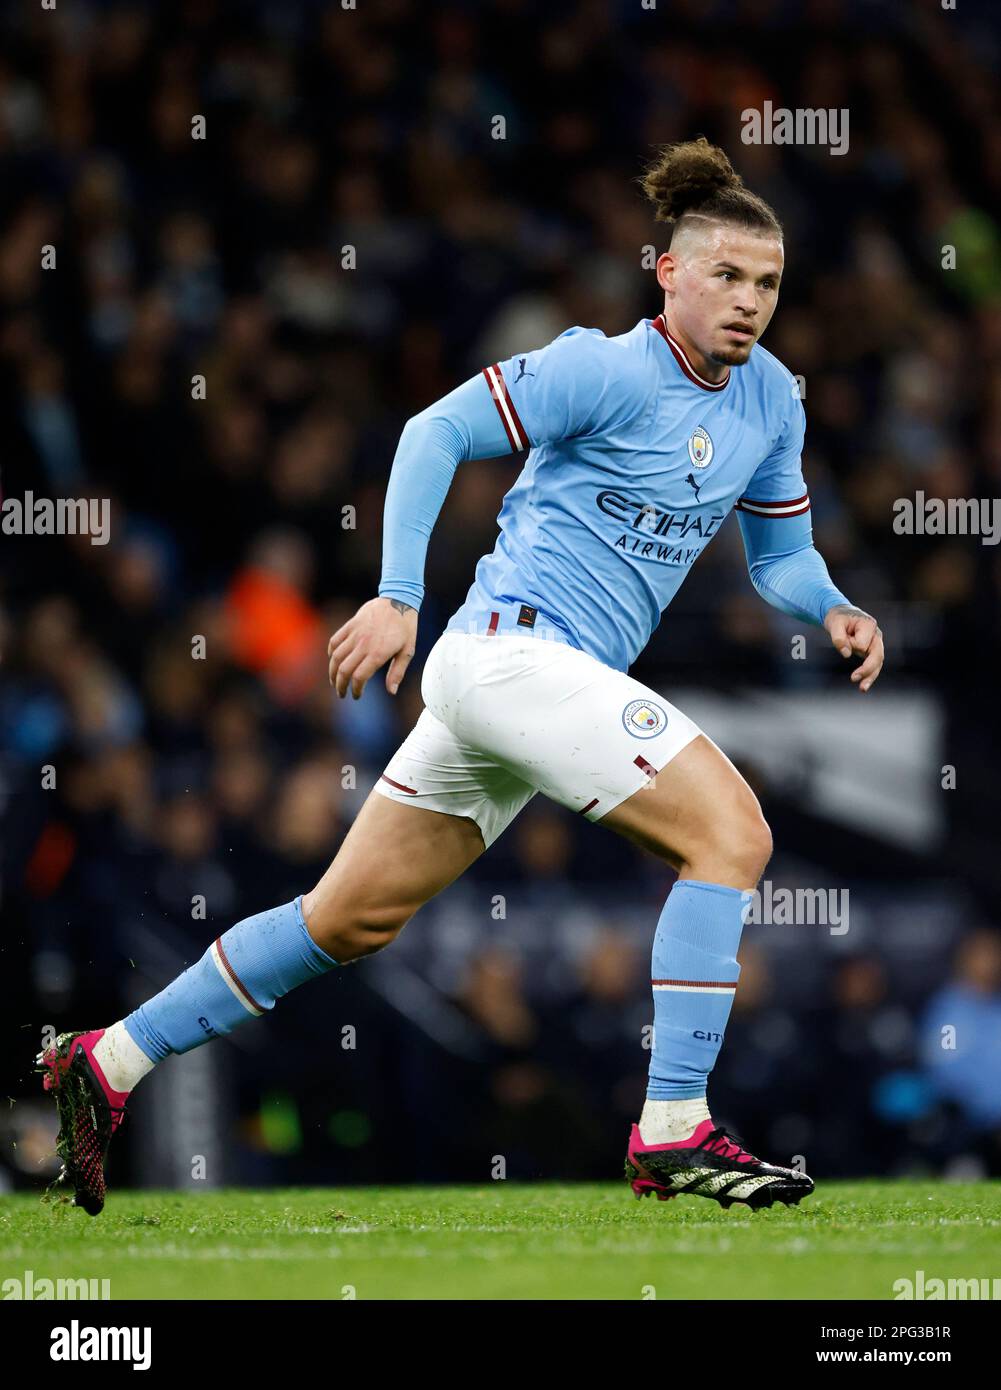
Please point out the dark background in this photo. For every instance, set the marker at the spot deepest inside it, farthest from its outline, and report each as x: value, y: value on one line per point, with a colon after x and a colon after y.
x: 508, y: 1018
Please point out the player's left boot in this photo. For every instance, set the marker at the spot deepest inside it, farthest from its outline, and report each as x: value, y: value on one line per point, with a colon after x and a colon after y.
x: 711, y: 1164
x: 89, y: 1110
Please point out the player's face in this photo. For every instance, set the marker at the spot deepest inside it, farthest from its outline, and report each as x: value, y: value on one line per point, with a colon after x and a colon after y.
x: 721, y: 285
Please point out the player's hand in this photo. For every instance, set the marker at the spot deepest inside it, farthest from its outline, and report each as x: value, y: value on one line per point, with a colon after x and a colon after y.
x: 855, y: 633
x: 383, y: 628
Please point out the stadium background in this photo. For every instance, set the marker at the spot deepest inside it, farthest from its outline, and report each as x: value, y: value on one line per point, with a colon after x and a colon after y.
x: 507, y: 1019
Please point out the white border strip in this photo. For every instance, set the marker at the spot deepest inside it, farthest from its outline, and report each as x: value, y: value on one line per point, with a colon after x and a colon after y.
x: 498, y: 389
x: 219, y: 965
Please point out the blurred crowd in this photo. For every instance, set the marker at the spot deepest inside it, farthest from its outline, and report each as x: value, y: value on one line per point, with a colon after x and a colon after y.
x: 278, y: 232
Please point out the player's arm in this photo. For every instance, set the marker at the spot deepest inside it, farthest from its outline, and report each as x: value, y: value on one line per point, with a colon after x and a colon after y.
x: 786, y: 568
x: 551, y: 393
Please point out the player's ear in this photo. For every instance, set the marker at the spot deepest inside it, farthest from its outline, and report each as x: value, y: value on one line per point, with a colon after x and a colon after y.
x: 666, y: 270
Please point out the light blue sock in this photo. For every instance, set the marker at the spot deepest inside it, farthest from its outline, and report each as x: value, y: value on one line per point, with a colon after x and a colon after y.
x: 695, y: 975
x: 239, y: 977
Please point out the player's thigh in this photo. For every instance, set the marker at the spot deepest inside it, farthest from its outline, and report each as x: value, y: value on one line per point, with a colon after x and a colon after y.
x: 394, y: 858
x: 604, y: 745
x: 582, y: 733
x: 697, y: 810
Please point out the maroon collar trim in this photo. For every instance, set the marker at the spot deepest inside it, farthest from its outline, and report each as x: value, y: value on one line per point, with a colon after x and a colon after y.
x: 681, y: 358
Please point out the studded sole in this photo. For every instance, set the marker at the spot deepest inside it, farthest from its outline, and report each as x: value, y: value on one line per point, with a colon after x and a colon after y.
x: 69, y: 1092
x: 644, y: 1186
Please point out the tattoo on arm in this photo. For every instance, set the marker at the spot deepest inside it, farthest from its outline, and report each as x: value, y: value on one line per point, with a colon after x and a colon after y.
x: 402, y: 607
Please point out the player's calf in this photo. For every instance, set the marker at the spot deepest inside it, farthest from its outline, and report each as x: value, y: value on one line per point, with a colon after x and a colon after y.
x: 704, y: 819
x: 90, y: 1075
x: 393, y: 860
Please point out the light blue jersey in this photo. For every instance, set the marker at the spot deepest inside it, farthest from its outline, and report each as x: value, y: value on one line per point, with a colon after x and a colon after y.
x: 634, y: 463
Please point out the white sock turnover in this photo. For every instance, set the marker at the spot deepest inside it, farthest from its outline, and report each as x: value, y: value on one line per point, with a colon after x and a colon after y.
x: 667, y: 1121
x: 123, y: 1061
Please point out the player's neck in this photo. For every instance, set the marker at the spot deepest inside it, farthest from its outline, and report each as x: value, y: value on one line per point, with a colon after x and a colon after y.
x: 705, y: 366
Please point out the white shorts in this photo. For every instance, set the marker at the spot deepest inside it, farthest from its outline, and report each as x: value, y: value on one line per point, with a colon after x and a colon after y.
x: 508, y: 716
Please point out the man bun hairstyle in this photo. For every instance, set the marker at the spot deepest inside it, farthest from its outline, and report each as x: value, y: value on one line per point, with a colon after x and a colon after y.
x: 694, y: 178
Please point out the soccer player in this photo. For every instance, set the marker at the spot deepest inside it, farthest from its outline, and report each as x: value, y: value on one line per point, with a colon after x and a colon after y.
x: 639, y: 446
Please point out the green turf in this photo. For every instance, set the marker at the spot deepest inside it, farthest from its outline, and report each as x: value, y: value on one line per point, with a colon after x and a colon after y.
x: 849, y: 1240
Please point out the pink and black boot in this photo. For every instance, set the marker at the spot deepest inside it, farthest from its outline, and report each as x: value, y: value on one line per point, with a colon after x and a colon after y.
x: 90, y: 1112
x: 711, y: 1164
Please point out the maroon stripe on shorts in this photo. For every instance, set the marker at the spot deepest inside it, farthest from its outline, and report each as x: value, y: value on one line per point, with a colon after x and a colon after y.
x: 644, y: 766
x: 411, y: 791
x: 584, y: 809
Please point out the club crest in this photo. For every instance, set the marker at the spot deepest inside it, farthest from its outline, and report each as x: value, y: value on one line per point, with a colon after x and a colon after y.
x: 643, y: 719
x: 700, y: 449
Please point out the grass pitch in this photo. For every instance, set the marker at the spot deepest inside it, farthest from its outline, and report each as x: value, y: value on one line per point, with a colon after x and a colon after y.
x: 508, y: 1241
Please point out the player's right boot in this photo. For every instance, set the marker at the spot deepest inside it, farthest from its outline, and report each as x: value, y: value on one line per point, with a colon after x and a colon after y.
x: 711, y: 1164
x: 89, y: 1110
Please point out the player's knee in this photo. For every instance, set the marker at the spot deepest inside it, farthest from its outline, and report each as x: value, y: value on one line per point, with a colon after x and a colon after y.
x: 744, y: 843
x: 735, y: 845
x: 748, y: 844
x: 358, y: 931
x: 372, y: 929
